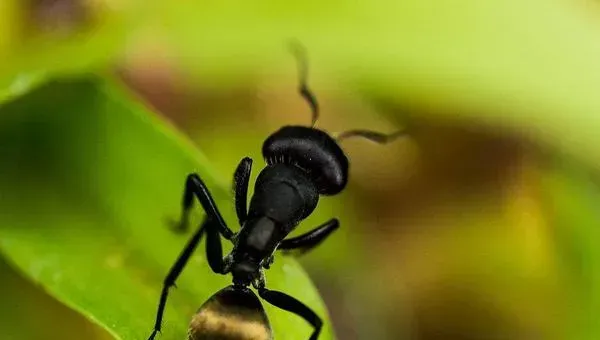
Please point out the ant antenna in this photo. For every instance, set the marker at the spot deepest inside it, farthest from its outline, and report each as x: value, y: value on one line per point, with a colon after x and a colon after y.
x: 374, y: 136
x: 300, y: 53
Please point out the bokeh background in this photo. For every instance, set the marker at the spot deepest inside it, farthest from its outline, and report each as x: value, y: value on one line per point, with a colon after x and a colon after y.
x: 480, y: 223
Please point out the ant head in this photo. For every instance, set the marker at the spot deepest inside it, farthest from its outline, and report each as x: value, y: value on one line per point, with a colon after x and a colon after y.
x: 312, y: 150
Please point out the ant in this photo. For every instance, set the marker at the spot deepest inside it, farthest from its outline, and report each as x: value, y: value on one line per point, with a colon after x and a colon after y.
x: 303, y: 163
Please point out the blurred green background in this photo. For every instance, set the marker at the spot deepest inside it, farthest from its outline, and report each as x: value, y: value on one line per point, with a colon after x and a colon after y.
x: 481, y: 224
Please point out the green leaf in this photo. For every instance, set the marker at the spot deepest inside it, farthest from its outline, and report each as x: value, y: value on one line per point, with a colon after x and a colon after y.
x: 571, y: 197
x: 91, y: 181
x: 20, y: 85
x: 30, y: 313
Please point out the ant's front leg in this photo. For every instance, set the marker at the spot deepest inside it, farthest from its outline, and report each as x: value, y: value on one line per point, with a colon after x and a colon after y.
x: 194, y: 186
x: 241, y: 178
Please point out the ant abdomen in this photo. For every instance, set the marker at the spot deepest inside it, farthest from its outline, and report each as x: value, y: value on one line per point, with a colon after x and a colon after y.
x: 312, y: 150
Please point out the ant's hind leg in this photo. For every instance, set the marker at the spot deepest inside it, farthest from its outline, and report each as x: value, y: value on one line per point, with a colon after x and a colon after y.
x: 292, y: 305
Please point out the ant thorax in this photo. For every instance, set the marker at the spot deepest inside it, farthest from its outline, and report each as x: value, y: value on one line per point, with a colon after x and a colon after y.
x: 285, y: 194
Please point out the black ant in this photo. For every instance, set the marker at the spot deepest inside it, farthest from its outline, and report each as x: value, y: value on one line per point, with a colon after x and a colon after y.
x: 302, y: 164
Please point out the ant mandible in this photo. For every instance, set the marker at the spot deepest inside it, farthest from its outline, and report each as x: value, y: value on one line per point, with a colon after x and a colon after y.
x: 302, y: 164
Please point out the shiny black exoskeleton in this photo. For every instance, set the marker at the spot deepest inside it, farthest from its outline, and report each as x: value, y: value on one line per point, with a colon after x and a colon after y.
x: 303, y: 163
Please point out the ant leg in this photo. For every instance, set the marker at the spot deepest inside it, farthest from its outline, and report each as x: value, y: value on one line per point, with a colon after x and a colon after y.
x: 214, y: 255
x: 172, y: 276
x: 306, y: 242
x: 194, y: 186
x: 290, y: 304
x: 241, y: 178
x: 214, y: 250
